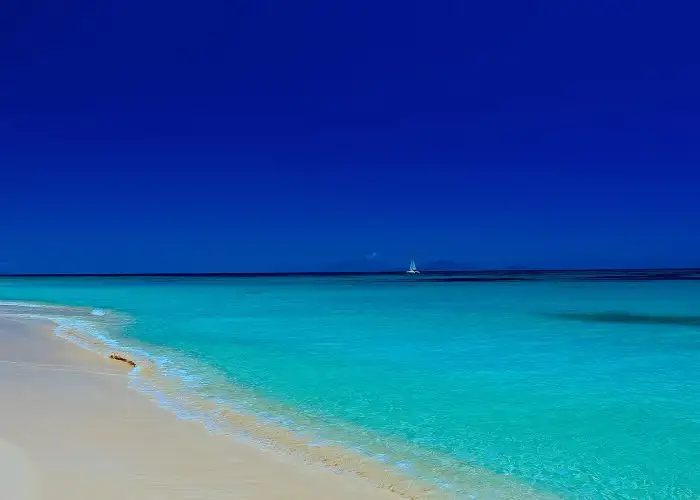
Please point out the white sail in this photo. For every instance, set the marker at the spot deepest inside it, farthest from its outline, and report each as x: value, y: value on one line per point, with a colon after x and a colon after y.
x: 412, y: 268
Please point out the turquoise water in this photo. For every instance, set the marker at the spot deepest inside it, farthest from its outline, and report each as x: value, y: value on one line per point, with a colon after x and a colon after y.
x: 439, y: 378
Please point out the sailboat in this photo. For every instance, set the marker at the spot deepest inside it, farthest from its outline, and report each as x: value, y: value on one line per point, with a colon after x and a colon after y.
x: 412, y: 268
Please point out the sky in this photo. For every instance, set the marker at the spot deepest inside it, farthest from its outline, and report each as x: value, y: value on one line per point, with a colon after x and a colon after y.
x: 268, y: 135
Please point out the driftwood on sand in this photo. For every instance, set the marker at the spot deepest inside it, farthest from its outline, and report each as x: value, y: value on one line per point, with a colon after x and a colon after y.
x: 120, y: 357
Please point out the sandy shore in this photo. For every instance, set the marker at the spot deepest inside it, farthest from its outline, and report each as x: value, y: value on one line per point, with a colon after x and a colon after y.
x: 70, y: 428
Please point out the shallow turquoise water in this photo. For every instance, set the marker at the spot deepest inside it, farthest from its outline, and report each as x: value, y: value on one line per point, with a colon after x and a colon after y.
x: 447, y: 374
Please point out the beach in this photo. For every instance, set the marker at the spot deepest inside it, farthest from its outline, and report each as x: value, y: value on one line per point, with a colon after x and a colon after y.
x: 70, y: 428
x: 550, y: 386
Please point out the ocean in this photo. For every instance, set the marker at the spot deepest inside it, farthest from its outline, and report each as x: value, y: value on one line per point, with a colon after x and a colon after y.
x: 572, y: 385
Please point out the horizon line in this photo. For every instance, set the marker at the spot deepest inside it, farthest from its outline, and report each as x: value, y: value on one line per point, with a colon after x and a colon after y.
x: 354, y: 273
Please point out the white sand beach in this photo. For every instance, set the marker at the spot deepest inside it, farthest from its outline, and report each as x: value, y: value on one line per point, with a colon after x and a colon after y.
x: 71, y: 428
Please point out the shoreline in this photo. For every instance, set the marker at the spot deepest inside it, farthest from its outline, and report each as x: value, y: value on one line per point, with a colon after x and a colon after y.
x: 143, y: 374
x: 47, y: 335
x: 76, y: 430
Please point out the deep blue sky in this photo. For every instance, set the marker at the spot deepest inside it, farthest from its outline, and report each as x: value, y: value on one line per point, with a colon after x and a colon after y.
x: 277, y: 135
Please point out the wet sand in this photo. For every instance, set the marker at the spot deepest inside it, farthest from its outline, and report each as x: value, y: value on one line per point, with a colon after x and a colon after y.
x: 70, y: 428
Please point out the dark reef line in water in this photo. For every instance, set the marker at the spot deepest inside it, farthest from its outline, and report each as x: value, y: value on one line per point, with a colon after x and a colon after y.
x: 471, y: 279
x: 627, y: 318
